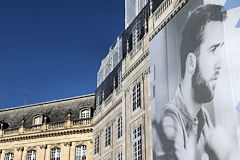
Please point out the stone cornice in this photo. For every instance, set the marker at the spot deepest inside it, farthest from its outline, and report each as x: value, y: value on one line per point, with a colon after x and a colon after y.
x: 45, y: 134
x: 135, y: 64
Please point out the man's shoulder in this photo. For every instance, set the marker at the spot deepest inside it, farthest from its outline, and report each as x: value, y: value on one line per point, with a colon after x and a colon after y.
x: 170, y: 120
x: 170, y: 113
x: 170, y: 109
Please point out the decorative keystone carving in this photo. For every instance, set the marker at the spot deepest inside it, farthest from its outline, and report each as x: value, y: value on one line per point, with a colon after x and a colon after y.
x: 67, y: 143
x: 20, y: 149
x: 43, y: 146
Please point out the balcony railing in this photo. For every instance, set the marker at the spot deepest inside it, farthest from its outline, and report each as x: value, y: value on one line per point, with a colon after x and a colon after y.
x: 56, y: 125
x: 11, y: 131
x: 164, y: 5
x: 78, y: 122
x: 136, y: 49
x: 33, y: 128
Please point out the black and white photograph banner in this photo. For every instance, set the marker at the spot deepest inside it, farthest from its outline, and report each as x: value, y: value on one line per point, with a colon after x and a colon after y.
x: 195, y: 84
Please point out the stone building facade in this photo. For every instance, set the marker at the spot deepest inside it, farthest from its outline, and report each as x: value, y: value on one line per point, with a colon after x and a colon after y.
x: 55, y: 130
x: 122, y: 119
x: 115, y: 124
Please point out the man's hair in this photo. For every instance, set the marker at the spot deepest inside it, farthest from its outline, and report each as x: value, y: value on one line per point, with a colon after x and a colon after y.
x: 192, y: 35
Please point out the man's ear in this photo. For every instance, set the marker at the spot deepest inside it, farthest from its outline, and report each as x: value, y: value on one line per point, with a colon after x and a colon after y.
x: 191, y: 62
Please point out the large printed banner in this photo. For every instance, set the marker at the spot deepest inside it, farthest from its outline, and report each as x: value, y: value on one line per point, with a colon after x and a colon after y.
x: 195, y: 84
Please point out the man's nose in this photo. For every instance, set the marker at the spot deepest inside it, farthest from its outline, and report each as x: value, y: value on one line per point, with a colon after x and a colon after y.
x: 217, y: 67
x: 219, y: 61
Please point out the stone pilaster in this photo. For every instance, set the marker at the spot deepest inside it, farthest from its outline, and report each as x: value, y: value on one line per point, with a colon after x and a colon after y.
x: 47, y: 155
x: 41, y: 152
x: 2, y: 156
x: 66, y: 150
x: 72, y: 150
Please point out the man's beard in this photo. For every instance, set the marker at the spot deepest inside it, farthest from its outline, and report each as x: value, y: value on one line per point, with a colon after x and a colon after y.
x: 201, y: 90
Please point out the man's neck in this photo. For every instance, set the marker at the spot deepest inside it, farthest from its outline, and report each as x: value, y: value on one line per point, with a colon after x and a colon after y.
x: 187, y: 92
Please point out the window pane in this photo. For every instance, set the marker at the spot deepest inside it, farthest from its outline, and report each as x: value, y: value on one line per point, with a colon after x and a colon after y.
x: 9, y: 156
x: 137, y: 143
x: 55, y: 154
x: 98, y: 101
x: 108, y: 136
x: 31, y: 155
x: 37, y: 120
x: 85, y: 113
x: 136, y: 32
x: 119, y: 133
x: 81, y: 152
x: 96, y: 145
x: 136, y: 101
x: 119, y: 156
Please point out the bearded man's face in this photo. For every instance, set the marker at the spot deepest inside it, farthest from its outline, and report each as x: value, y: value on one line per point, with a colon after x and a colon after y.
x: 201, y: 90
x: 208, y: 64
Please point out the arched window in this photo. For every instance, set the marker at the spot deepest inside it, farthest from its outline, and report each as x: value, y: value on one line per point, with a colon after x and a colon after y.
x: 81, y: 152
x: 55, y: 154
x: 9, y: 156
x: 85, y: 113
x: 31, y: 155
x: 37, y: 120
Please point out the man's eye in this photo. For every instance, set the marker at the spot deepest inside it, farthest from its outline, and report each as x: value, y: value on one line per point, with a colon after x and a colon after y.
x: 213, y: 50
x: 215, y: 47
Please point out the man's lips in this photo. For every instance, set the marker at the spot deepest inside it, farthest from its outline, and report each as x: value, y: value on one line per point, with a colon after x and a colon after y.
x: 215, y: 77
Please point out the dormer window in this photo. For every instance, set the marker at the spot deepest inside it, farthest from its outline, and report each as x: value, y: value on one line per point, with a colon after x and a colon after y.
x: 136, y: 32
x: 84, y: 113
x: 37, y: 120
x: 99, y: 100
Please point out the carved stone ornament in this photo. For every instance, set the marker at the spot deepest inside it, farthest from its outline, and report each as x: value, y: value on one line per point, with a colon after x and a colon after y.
x: 67, y: 143
x: 43, y: 146
x: 20, y: 149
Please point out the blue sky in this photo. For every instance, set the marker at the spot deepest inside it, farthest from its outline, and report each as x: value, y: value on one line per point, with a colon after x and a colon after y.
x: 52, y: 49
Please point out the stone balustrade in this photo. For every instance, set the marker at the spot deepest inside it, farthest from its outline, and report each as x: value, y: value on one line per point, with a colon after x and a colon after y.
x: 78, y: 122
x: 47, y: 127
x: 161, y: 9
x: 10, y: 131
x: 33, y: 128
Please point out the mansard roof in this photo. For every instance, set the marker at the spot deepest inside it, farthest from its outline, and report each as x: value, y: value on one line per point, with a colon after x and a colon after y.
x: 56, y: 111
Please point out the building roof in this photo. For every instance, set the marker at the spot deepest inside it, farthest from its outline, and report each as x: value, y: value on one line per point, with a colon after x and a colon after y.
x: 56, y: 110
